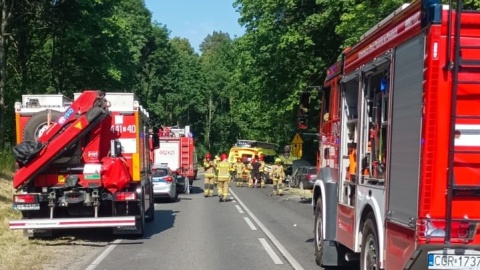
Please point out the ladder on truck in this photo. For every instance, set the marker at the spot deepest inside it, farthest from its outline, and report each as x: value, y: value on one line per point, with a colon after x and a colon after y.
x: 464, y: 66
x: 82, y: 116
x: 185, y: 156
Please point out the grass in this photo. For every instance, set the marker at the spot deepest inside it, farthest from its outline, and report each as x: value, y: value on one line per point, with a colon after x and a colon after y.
x: 16, y: 251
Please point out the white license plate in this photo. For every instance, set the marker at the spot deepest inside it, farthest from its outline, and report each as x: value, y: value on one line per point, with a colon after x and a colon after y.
x: 26, y: 207
x: 449, y: 259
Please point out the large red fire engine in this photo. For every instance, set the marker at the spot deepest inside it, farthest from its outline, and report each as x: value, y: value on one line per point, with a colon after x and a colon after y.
x: 177, y: 151
x: 399, y: 162
x: 82, y: 163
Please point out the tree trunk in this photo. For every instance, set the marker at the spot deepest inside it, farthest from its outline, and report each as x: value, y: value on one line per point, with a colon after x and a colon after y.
x: 5, y: 13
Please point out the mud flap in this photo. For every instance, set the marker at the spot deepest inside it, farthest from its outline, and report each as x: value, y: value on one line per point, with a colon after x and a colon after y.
x: 137, y: 230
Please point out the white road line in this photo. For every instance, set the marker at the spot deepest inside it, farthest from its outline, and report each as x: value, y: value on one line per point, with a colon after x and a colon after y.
x: 270, y: 251
x: 239, y: 209
x: 104, y: 254
x: 250, y: 224
x: 295, y: 264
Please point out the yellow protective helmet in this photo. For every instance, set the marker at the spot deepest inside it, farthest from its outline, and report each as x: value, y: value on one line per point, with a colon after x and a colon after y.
x: 278, y: 160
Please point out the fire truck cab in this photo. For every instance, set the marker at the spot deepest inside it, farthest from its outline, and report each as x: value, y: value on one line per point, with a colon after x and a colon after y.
x: 399, y: 180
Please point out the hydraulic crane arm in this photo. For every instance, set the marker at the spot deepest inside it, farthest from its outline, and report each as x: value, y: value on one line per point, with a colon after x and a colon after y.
x: 84, y: 113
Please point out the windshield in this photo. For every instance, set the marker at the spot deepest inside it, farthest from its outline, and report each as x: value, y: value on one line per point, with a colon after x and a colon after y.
x: 312, y: 171
x: 159, y: 172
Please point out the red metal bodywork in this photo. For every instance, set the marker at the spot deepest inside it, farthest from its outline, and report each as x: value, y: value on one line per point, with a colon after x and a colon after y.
x: 401, y: 241
x: 185, y: 151
x: 75, y: 122
x: 108, y: 136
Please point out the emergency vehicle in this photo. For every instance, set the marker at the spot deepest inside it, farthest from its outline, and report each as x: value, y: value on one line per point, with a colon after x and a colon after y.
x: 248, y: 149
x: 399, y: 159
x: 177, y: 151
x: 82, y: 163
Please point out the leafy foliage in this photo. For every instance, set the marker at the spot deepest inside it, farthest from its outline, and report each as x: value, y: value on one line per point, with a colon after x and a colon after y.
x: 246, y: 87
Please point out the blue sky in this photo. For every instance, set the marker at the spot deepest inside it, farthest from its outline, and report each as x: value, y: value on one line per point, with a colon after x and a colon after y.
x: 195, y: 19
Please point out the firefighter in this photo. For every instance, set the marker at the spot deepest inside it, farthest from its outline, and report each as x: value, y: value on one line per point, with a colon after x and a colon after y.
x: 223, y: 169
x: 248, y: 170
x: 209, y: 167
x: 254, y: 167
x: 277, y: 174
x: 263, y: 170
x: 239, y: 169
x: 216, y: 161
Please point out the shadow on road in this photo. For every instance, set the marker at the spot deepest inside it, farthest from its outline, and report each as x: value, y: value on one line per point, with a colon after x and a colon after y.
x: 196, y: 190
x: 164, y: 220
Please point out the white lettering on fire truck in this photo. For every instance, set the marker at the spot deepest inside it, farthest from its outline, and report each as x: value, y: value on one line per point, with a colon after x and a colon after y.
x: 166, y: 152
x: 123, y: 129
x: 390, y: 35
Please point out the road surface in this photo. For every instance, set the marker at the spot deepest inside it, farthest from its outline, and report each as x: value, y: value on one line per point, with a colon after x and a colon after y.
x: 251, y: 231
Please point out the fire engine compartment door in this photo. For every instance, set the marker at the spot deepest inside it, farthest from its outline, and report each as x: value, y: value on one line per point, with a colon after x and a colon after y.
x: 406, y: 131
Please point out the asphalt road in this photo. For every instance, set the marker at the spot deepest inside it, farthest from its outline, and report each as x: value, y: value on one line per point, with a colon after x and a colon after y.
x: 251, y: 231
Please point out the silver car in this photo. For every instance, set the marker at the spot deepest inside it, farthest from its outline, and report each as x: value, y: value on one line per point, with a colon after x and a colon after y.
x: 164, y: 183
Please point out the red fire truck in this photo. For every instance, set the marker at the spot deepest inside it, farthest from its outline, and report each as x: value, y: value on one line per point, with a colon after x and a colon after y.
x: 177, y: 151
x: 399, y: 164
x: 82, y: 163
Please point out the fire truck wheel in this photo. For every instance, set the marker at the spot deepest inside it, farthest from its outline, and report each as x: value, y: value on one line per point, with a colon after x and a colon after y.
x: 318, y: 233
x: 37, y: 124
x: 141, y: 221
x: 369, y: 258
x: 187, y: 186
x: 151, y: 210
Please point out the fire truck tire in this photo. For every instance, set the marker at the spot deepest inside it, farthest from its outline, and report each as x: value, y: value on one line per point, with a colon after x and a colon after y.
x: 318, y: 233
x: 369, y: 255
x: 37, y: 124
x: 151, y: 210
x: 141, y: 221
x: 187, y: 186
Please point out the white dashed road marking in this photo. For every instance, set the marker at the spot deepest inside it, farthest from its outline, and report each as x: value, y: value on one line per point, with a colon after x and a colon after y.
x: 104, y: 254
x: 293, y: 262
x: 239, y: 209
x: 250, y: 224
x: 270, y: 251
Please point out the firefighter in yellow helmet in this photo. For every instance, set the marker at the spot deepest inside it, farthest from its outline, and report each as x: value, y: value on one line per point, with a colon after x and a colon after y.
x: 277, y: 174
x: 216, y: 161
x: 223, y: 169
x: 239, y: 168
x: 248, y: 170
x: 209, y: 167
x: 263, y: 170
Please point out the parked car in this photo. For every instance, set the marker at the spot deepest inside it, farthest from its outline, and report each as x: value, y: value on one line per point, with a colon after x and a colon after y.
x: 307, y: 178
x: 296, y: 164
x: 304, y: 177
x: 164, y: 183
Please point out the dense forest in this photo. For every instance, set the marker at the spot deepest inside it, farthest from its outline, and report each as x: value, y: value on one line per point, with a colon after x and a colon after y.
x: 236, y: 87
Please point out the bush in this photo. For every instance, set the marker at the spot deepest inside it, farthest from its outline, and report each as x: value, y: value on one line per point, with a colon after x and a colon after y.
x: 7, y: 161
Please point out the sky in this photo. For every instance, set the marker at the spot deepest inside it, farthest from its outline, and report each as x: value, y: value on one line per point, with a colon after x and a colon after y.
x: 195, y: 19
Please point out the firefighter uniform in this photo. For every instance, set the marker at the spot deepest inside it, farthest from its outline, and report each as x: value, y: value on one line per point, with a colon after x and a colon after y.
x: 263, y: 170
x: 277, y: 174
x: 239, y: 169
x: 223, y: 170
x: 209, y: 167
x: 215, y: 162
